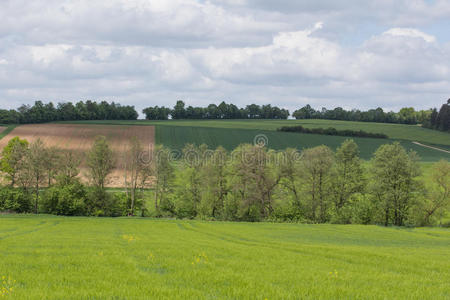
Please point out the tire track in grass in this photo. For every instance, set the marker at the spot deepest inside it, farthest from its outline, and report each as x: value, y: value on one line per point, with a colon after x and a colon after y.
x: 40, y: 227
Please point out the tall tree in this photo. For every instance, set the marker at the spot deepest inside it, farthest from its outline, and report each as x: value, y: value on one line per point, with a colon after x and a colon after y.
x: 394, y: 173
x: 100, y: 161
x: 437, y: 201
x: 36, y: 168
x: 164, y: 176
x: 13, y: 158
x: 348, y: 178
x: 138, y: 170
x: 316, y: 165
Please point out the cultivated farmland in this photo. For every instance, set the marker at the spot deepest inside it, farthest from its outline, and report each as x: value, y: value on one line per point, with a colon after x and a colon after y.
x: 79, y: 139
x: 103, y: 258
x: 230, y: 133
x: 393, y: 131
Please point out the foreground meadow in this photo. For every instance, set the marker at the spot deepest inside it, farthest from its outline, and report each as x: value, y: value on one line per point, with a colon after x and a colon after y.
x: 45, y: 257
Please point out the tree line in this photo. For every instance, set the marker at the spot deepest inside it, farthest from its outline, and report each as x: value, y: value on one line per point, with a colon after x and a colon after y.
x: 251, y: 183
x: 213, y: 111
x: 406, y: 115
x: 67, y: 111
x: 91, y: 110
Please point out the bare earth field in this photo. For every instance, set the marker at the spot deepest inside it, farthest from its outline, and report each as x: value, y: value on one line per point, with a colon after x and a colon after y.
x: 79, y: 139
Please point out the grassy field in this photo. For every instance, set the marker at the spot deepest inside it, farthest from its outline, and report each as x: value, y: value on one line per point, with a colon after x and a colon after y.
x: 47, y: 257
x: 394, y: 131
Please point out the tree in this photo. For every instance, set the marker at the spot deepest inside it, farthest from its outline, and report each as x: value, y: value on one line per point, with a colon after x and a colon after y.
x: 290, y: 174
x: 68, y: 168
x: 254, y: 182
x: 438, y: 199
x: 316, y: 165
x: 178, y: 111
x: 36, y: 168
x: 137, y: 169
x: 100, y: 161
x: 348, y: 176
x: 164, y: 176
x: 13, y: 158
x: 50, y: 160
x: 393, y: 181
x: 216, y: 176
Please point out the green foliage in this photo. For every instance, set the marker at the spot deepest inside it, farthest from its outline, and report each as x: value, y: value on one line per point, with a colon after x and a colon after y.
x: 15, y: 200
x: 212, y: 111
x: 12, y: 158
x: 332, y: 131
x: 40, y: 112
x: 100, y: 161
x: 394, y: 183
x: 67, y: 200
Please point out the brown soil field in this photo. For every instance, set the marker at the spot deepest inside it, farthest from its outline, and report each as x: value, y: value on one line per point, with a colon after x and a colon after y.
x: 79, y: 139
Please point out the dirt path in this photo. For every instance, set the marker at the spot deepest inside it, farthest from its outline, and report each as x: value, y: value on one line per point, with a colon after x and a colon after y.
x: 431, y: 147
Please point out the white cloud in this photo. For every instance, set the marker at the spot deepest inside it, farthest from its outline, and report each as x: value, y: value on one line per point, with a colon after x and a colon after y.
x: 349, y: 53
x: 410, y: 32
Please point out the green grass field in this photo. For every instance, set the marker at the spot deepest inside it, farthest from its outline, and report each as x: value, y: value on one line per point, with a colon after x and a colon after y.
x: 47, y: 257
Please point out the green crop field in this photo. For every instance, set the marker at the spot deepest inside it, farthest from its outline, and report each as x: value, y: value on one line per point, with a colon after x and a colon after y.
x: 47, y: 257
x: 176, y: 137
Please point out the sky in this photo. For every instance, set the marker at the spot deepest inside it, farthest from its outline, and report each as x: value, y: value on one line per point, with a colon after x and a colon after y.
x: 326, y: 53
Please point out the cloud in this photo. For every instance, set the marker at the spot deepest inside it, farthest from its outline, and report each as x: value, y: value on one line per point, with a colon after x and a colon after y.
x: 289, y: 53
x: 410, y: 32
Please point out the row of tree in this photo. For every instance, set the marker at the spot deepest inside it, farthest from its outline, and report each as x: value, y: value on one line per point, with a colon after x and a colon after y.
x: 213, y: 111
x: 43, y: 179
x: 333, y: 131
x: 250, y: 183
x: 67, y: 111
x: 406, y: 115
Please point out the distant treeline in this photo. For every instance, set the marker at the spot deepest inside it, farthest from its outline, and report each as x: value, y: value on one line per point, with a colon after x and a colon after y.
x: 406, y: 115
x: 89, y: 110
x: 213, y: 111
x: 333, y: 131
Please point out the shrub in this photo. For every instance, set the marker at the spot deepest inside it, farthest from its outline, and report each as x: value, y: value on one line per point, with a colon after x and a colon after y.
x: 332, y: 131
x: 67, y: 200
x: 15, y: 200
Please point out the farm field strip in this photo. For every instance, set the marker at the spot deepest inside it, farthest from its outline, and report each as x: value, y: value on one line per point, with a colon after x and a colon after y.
x: 394, y: 131
x: 175, y: 137
x: 155, y: 258
x: 79, y: 139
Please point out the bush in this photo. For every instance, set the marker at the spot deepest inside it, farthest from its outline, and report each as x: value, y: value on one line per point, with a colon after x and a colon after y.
x: 15, y: 200
x: 332, y: 131
x: 68, y: 200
